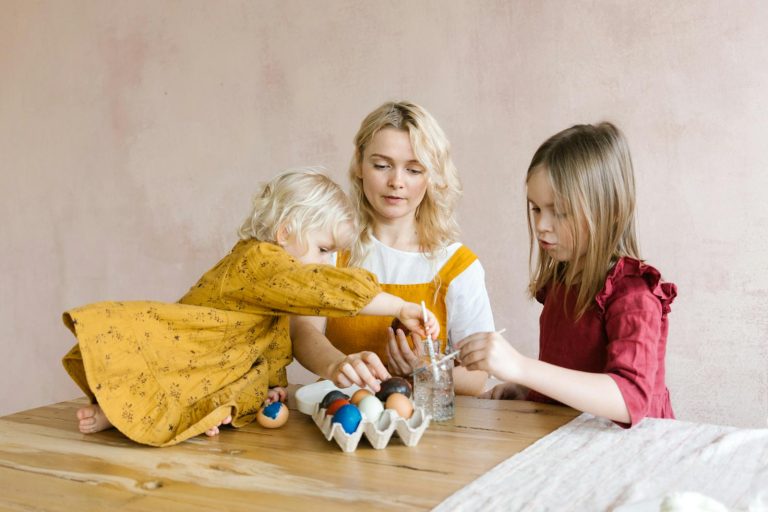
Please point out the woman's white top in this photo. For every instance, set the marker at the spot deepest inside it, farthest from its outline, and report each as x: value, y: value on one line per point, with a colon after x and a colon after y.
x: 467, y: 304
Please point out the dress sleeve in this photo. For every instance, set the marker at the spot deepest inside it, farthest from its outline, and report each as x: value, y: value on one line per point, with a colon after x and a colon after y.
x: 633, y: 327
x: 270, y: 280
x: 468, y: 305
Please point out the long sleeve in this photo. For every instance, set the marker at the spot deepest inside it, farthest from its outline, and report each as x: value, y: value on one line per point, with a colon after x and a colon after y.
x: 265, y: 279
x: 633, y: 327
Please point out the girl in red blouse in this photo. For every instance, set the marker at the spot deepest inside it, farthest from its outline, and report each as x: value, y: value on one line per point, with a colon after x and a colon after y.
x: 604, y: 323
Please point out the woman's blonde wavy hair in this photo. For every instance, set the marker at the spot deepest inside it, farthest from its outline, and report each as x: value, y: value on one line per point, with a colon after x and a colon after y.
x: 590, y: 170
x: 435, y: 216
x: 301, y: 201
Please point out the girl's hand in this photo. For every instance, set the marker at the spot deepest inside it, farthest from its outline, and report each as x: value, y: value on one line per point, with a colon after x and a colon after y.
x: 363, y: 369
x: 412, y: 317
x: 403, y: 360
x: 506, y: 391
x: 490, y: 352
x: 275, y: 394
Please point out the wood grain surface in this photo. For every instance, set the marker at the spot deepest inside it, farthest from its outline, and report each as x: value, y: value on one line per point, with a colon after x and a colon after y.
x: 46, y: 464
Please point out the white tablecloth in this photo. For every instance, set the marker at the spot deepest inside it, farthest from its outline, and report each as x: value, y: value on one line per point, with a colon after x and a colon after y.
x: 591, y: 464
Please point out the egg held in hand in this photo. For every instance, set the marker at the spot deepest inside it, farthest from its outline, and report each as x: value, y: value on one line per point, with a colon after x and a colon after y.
x: 348, y: 417
x: 397, y: 324
x: 273, y: 415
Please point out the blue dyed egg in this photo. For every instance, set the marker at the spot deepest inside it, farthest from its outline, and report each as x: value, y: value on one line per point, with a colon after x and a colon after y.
x: 273, y: 416
x: 348, y: 417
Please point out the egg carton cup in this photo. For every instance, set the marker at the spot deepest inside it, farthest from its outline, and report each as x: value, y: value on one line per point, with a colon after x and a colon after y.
x: 378, y: 432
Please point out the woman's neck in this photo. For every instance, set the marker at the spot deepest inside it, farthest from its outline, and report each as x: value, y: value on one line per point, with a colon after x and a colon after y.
x: 399, y: 234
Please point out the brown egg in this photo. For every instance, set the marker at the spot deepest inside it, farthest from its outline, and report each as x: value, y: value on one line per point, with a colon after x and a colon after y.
x: 273, y: 416
x: 359, y: 395
x: 400, y: 404
x: 397, y: 324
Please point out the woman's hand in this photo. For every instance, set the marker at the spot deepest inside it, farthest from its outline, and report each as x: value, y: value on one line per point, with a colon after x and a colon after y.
x: 412, y: 317
x: 402, y: 360
x: 363, y: 369
x: 506, y: 391
x: 489, y: 351
x: 275, y: 394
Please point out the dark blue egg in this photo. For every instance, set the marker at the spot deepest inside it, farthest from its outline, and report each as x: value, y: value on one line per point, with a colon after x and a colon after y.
x: 330, y: 397
x: 349, y: 417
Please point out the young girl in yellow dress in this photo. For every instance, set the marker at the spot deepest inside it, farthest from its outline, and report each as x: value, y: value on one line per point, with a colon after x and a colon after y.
x: 162, y: 373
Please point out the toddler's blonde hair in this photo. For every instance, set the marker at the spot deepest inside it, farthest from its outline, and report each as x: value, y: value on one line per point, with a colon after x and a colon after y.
x: 590, y: 170
x: 301, y: 201
x: 435, y: 216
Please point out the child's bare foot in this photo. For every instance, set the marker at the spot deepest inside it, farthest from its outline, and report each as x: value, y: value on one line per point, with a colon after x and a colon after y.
x: 92, y: 419
x: 215, y: 430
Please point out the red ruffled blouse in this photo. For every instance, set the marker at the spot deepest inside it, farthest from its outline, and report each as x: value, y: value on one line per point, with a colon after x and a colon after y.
x: 623, y: 335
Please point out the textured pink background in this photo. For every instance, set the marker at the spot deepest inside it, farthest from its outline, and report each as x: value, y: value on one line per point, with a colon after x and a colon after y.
x: 132, y: 134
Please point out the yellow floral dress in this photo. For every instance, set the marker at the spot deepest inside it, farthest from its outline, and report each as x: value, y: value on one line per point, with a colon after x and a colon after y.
x: 165, y: 372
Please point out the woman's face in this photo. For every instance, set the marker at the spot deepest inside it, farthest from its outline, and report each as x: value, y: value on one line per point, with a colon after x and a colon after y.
x: 553, y: 228
x: 394, y: 182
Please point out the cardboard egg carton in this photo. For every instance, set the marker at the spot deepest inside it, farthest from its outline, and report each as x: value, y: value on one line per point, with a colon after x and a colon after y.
x: 378, y: 433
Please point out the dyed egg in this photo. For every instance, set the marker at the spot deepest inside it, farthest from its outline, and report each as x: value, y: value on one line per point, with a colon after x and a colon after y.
x: 397, y: 324
x: 335, y: 406
x: 330, y: 397
x: 371, y: 408
x: 359, y: 395
x: 273, y: 415
x: 348, y: 417
x: 393, y: 385
x: 400, y: 404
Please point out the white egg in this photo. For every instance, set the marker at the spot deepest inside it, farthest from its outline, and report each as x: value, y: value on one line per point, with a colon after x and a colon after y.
x: 371, y: 408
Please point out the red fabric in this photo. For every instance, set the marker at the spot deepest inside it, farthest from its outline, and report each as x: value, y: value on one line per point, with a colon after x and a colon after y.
x: 623, y: 335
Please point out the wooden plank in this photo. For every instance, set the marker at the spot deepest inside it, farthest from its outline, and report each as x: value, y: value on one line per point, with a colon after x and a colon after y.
x: 46, y: 464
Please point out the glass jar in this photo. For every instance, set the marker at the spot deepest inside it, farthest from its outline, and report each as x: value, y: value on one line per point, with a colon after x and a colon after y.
x: 433, y: 390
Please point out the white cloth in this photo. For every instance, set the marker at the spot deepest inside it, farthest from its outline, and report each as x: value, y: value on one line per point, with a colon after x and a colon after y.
x: 591, y: 464
x: 467, y: 303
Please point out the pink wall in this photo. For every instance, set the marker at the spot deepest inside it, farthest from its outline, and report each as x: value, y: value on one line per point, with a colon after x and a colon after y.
x: 132, y: 134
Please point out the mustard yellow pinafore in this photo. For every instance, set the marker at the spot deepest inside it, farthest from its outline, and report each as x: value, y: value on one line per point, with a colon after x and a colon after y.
x: 163, y: 373
x: 356, y: 334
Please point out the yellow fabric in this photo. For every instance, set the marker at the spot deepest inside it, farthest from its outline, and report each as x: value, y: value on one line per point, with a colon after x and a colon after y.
x: 361, y: 333
x: 164, y: 372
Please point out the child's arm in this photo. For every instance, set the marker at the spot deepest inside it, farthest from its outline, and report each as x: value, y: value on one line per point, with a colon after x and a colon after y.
x: 595, y: 393
x: 403, y: 361
x: 409, y: 313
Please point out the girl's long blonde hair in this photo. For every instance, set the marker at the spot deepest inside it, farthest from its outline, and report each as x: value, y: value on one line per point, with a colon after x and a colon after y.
x: 591, y: 173
x: 301, y: 201
x: 435, y: 216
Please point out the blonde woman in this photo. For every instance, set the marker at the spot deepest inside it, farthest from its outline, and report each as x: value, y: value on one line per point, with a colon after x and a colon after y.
x: 162, y: 373
x: 405, y: 187
x: 604, y: 323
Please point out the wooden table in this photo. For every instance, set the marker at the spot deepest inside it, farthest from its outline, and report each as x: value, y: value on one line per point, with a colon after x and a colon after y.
x: 46, y: 464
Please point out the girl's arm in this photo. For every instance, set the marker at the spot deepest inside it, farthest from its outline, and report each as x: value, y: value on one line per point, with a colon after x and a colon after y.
x: 403, y: 361
x: 410, y: 314
x: 469, y: 311
x: 595, y: 393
